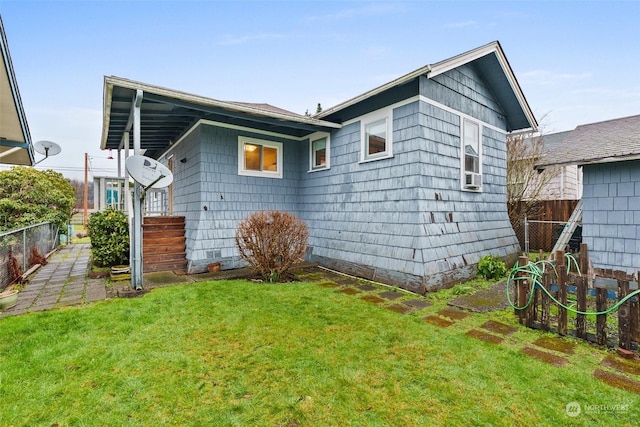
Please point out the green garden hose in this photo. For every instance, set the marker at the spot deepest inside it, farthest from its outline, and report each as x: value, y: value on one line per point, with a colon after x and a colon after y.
x: 535, y: 270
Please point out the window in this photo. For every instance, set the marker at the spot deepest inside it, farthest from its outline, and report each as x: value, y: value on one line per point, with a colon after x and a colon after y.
x: 471, y: 146
x: 319, y: 151
x: 259, y: 158
x: 376, y: 140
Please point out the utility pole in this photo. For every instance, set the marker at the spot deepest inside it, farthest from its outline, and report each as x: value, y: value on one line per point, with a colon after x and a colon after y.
x: 86, y: 190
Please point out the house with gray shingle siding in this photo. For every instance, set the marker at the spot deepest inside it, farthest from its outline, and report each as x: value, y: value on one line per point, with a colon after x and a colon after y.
x: 609, y: 154
x: 404, y: 184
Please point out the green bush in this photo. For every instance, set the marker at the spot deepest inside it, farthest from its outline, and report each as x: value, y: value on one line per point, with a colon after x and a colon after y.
x: 109, y: 234
x: 491, y: 267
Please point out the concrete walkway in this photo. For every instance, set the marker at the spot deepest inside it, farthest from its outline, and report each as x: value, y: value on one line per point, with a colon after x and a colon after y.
x: 62, y: 282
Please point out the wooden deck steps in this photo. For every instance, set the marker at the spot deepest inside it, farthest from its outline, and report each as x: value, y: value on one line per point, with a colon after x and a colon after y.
x: 163, y: 243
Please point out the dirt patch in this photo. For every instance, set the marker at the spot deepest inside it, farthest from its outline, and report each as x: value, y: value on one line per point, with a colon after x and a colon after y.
x: 499, y: 328
x: 490, y: 299
x: 390, y: 295
x: 373, y: 299
x: 453, y: 314
x: 399, y: 308
x: 349, y: 291
x: 555, y: 344
x: 129, y: 292
x: 484, y: 336
x: 549, y: 358
x: 438, y: 321
x: 417, y: 303
x: 617, y: 381
x: 622, y: 365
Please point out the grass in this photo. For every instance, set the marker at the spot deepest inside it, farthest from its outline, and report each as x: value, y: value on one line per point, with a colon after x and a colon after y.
x: 236, y: 353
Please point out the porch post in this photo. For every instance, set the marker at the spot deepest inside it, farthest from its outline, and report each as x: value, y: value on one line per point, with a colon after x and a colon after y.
x: 136, y: 237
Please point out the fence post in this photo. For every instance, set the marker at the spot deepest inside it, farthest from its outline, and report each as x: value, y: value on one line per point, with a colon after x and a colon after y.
x: 561, y: 267
x: 545, y: 319
x: 24, y: 250
x: 581, y: 295
x: 584, y: 260
x: 623, y: 316
x: 522, y: 289
x: 601, y: 319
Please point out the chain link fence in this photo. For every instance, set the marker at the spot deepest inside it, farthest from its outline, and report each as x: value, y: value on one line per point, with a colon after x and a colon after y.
x: 535, y: 236
x: 18, y: 246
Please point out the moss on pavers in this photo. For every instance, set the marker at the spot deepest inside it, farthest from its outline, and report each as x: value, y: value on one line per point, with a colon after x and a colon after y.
x: 438, y: 321
x: 556, y: 344
x: 373, y: 299
x: 453, y: 314
x: 617, y: 381
x: 499, y: 328
x: 349, y: 291
x: 399, y: 308
x: 484, y: 336
x: 549, y: 358
x: 622, y: 365
x: 390, y: 295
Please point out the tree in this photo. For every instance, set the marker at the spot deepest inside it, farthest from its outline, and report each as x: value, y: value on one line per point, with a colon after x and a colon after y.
x: 526, y: 185
x: 29, y: 196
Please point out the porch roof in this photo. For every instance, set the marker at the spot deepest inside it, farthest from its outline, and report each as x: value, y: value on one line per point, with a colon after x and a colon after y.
x: 165, y: 115
x: 15, y: 140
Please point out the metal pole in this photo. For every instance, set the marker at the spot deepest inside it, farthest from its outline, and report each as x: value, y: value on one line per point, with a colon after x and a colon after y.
x: 86, y: 190
x: 136, y: 261
x: 526, y: 235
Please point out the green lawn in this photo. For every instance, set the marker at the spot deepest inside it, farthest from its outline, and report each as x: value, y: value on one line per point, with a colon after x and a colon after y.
x: 236, y: 353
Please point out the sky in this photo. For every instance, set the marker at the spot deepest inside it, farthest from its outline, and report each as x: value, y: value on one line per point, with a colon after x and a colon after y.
x: 577, y: 62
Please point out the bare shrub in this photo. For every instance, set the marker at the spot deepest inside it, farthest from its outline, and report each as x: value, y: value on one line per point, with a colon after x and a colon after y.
x: 272, y: 242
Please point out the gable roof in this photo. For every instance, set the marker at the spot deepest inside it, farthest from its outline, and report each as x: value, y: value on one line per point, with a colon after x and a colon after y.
x: 166, y: 114
x: 600, y: 142
x: 492, y: 65
x: 15, y: 139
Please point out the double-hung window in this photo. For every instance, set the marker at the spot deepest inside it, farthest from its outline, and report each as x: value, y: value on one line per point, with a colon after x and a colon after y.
x: 319, y: 149
x: 471, y: 152
x: 257, y: 157
x: 376, y: 133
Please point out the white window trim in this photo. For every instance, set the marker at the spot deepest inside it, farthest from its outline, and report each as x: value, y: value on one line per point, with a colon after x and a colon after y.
x: 385, y: 113
x: 462, y: 155
x: 314, y: 137
x: 242, y: 140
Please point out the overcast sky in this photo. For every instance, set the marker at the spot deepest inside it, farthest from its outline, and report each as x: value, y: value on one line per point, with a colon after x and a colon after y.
x: 577, y: 62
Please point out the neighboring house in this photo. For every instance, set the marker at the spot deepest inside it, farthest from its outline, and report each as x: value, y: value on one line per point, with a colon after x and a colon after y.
x: 609, y: 154
x: 15, y: 140
x: 558, y: 182
x: 404, y: 184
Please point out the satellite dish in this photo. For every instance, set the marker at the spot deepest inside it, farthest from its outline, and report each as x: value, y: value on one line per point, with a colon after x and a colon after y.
x: 47, y: 148
x: 148, y: 172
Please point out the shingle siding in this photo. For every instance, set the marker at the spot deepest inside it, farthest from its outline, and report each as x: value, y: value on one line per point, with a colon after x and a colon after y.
x: 611, y: 212
x: 403, y: 220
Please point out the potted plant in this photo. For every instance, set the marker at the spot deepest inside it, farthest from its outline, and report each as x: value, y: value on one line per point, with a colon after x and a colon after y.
x: 9, y: 297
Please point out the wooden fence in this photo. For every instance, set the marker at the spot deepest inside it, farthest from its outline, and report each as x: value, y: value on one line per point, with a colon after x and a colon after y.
x: 598, y: 297
x: 544, y: 229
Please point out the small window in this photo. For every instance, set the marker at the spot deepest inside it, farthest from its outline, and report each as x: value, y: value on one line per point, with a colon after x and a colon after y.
x: 471, y: 147
x: 259, y: 158
x: 376, y: 137
x: 319, y: 149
